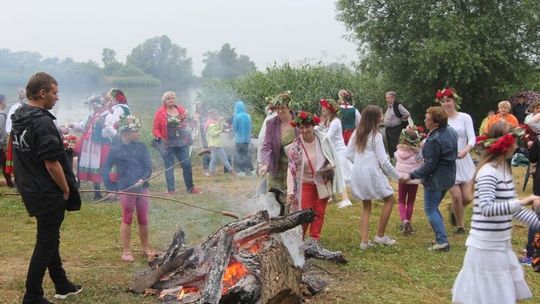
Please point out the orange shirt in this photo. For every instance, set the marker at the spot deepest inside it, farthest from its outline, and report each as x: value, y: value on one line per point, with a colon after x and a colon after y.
x: 509, y: 118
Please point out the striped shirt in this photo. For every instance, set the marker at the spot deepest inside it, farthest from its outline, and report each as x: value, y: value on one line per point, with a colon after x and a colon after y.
x: 495, y: 205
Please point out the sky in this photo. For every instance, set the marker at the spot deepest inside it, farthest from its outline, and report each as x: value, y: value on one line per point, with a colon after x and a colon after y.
x: 267, y: 31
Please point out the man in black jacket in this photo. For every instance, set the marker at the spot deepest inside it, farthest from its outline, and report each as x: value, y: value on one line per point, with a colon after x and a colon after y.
x: 46, y: 183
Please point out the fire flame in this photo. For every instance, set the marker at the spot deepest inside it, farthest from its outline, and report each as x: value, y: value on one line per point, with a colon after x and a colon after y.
x: 185, y: 290
x: 235, y: 271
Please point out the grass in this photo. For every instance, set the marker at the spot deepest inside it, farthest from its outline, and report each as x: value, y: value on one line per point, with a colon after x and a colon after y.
x: 406, y: 273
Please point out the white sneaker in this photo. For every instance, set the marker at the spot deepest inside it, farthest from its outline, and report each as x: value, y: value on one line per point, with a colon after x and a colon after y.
x: 364, y: 246
x: 344, y: 204
x: 241, y: 173
x: 384, y: 240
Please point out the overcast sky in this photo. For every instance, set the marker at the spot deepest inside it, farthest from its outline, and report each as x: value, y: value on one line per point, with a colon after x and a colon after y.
x: 265, y: 30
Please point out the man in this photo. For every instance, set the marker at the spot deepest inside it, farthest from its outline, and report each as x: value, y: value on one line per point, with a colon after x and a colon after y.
x: 520, y: 109
x: 242, y: 139
x: 393, y: 117
x: 46, y: 183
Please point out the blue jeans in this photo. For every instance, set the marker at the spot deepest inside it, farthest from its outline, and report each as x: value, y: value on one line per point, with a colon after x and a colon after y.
x: 432, y: 199
x: 218, y: 153
x: 182, y: 155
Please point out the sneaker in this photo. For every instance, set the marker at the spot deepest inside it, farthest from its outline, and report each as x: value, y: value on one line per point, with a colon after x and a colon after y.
x: 444, y: 247
x: 384, y: 240
x: 364, y: 246
x: 195, y: 191
x: 241, y: 173
x: 208, y: 174
x: 525, y: 260
x: 407, y: 229
x: 344, y: 204
x: 71, y: 290
x: 460, y: 230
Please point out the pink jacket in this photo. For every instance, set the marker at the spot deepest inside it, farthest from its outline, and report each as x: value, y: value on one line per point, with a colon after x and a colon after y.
x: 407, y: 160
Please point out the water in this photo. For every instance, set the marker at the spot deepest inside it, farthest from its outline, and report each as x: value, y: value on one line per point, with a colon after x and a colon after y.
x: 70, y: 107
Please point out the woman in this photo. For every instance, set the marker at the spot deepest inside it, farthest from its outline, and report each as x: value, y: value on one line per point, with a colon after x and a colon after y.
x: 132, y: 162
x: 331, y: 126
x: 172, y: 136
x: 119, y: 107
x: 350, y: 116
x: 461, y: 191
x: 92, y: 147
x: 278, y: 136
x: 504, y: 115
x: 310, y: 174
x: 491, y: 272
x: 438, y: 172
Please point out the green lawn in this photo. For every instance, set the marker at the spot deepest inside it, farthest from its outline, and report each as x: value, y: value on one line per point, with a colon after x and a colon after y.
x: 405, y: 273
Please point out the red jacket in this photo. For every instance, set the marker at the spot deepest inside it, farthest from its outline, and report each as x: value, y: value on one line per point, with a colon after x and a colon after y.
x: 160, y: 121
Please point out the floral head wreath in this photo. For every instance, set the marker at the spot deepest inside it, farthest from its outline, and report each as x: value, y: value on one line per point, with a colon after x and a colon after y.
x: 283, y: 99
x: 129, y: 123
x: 304, y: 117
x: 447, y: 92
x: 118, y: 95
x: 95, y: 101
x: 330, y: 104
x: 501, y: 144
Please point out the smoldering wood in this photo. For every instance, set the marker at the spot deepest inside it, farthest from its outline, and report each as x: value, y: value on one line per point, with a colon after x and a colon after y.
x: 314, y: 249
x: 271, y: 276
x: 213, y: 286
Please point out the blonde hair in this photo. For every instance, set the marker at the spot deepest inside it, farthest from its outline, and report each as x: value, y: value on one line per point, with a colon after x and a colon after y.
x: 504, y: 103
x: 369, y: 125
x: 167, y: 95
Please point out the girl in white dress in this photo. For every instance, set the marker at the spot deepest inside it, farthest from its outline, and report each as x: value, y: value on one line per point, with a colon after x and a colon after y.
x: 368, y: 182
x: 463, y: 125
x: 331, y: 127
x: 491, y: 272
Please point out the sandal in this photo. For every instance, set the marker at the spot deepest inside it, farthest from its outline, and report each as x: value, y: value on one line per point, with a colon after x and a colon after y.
x: 127, y: 257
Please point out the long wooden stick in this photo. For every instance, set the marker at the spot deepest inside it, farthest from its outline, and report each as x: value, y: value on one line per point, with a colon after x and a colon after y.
x: 224, y: 213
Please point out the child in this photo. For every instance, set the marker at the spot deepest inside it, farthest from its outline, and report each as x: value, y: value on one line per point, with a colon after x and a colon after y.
x: 368, y: 182
x: 408, y: 159
x: 504, y: 115
x: 214, y: 128
x: 133, y: 166
x: 491, y: 272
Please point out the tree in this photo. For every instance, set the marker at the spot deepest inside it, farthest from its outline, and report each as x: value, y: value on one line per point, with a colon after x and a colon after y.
x: 226, y: 64
x: 163, y: 60
x: 110, y: 63
x: 487, y: 50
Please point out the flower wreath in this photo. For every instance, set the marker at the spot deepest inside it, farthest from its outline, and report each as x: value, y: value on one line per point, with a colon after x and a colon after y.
x: 330, y: 104
x: 282, y: 99
x: 501, y: 144
x: 95, y: 101
x: 118, y: 95
x: 447, y: 92
x: 305, y: 117
x: 129, y: 123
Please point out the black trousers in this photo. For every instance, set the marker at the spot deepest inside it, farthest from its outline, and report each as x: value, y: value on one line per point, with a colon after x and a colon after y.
x: 392, y: 138
x: 46, y: 255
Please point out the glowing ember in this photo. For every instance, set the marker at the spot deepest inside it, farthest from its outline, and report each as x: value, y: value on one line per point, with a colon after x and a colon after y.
x: 235, y: 271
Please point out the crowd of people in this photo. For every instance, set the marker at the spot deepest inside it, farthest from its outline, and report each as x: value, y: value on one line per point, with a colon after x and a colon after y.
x: 310, y: 159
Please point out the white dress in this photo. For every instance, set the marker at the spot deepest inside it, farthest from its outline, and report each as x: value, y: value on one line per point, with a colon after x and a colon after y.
x: 334, y: 133
x: 463, y: 125
x: 368, y: 182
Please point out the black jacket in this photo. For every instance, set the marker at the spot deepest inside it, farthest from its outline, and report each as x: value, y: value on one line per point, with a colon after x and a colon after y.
x: 36, y: 139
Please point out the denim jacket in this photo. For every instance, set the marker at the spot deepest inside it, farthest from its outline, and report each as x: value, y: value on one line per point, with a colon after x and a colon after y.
x: 438, y: 173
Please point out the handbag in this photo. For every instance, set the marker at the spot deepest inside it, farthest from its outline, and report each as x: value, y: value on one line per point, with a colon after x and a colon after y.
x: 323, y: 190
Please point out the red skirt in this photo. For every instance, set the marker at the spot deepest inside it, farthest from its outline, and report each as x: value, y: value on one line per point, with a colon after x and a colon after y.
x: 347, y: 135
x: 9, y: 156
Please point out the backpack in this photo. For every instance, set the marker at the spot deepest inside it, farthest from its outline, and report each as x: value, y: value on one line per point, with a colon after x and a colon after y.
x: 395, y: 107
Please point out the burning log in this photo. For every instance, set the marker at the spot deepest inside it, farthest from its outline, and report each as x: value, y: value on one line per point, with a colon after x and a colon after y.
x: 243, y: 262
